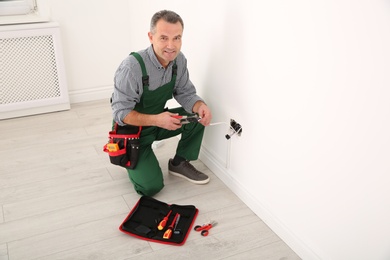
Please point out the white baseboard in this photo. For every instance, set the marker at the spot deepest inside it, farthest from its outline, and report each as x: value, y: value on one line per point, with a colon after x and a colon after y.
x: 91, y: 94
x: 225, y: 175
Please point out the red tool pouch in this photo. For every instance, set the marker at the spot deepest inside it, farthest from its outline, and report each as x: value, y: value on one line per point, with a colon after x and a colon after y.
x: 123, y: 148
x: 144, y: 219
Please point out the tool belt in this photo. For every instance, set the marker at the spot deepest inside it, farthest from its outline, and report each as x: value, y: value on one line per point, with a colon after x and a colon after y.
x: 123, y: 146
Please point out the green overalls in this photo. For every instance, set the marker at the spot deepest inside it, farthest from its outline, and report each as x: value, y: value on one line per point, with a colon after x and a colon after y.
x: 147, y: 176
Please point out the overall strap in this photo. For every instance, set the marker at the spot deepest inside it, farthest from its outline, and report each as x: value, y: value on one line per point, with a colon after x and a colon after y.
x: 174, y: 72
x: 174, y: 68
x: 145, y: 77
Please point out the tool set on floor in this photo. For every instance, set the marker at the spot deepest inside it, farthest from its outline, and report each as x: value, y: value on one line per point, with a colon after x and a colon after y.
x: 157, y: 221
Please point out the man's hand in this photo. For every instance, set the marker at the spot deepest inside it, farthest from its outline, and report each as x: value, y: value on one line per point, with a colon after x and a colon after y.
x: 204, y: 112
x: 167, y: 121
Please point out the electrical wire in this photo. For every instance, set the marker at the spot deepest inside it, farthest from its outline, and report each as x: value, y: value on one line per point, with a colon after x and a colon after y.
x: 219, y: 123
x: 227, y: 163
x: 228, y: 138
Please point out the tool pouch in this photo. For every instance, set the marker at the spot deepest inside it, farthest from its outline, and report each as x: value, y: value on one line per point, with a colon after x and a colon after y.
x: 123, y: 146
x: 143, y: 220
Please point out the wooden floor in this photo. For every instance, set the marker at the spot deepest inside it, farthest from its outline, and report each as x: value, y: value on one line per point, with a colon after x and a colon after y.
x: 60, y: 198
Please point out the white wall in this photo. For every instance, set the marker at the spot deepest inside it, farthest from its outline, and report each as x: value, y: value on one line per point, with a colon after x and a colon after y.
x: 307, y: 80
x: 96, y: 37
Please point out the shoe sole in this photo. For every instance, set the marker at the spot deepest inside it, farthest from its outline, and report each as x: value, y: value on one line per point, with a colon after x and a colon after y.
x: 188, y: 179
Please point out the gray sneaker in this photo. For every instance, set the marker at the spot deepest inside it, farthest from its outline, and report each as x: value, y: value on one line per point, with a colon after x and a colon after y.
x: 187, y: 171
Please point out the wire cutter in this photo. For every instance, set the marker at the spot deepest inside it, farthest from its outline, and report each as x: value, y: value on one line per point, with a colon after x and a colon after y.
x: 204, y: 229
x: 188, y: 119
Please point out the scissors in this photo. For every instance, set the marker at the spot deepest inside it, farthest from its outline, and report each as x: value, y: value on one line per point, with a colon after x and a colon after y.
x: 204, y: 229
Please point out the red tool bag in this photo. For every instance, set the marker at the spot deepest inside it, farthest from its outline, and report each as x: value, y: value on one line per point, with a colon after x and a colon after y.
x: 123, y: 146
x: 156, y: 221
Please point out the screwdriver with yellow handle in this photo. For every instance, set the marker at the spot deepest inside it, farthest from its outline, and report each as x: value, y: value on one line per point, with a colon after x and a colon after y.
x: 168, y: 232
x: 163, y: 222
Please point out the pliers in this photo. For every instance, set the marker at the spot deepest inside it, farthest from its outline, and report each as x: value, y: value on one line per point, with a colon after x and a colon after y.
x: 188, y: 119
x: 204, y: 229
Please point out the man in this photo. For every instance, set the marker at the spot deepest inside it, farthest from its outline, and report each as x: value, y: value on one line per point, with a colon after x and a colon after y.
x: 140, y: 101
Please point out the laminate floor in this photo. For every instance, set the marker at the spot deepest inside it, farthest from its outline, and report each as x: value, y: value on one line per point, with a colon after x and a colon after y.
x: 60, y: 198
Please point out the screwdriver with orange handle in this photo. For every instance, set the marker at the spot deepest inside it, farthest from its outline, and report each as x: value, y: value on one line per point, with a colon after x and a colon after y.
x: 168, y: 232
x: 163, y: 222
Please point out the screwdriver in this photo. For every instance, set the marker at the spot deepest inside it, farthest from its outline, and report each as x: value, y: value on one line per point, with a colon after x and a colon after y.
x: 164, y: 221
x: 168, y: 232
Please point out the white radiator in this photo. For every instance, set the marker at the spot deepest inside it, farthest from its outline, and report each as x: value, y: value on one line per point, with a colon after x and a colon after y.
x: 32, y: 73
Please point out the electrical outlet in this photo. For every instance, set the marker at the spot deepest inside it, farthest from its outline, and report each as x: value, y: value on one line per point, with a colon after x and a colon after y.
x: 235, y: 127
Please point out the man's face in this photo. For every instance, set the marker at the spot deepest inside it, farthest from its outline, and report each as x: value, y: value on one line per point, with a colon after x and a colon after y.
x: 166, y: 41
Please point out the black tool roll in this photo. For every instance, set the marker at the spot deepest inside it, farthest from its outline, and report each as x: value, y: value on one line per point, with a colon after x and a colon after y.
x: 153, y: 220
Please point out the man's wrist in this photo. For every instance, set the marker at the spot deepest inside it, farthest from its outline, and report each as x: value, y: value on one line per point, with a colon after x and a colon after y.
x: 196, y: 106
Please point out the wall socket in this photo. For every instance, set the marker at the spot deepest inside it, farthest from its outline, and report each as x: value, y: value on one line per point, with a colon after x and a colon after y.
x: 236, y: 127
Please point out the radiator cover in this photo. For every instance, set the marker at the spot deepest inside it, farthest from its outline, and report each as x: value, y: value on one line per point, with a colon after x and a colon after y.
x: 32, y: 73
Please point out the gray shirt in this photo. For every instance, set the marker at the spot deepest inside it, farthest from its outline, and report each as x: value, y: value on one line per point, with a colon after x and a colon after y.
x: 128, y: 87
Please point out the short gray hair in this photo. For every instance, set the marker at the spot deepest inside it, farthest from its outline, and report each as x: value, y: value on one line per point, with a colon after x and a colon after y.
x: 166, y: 15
